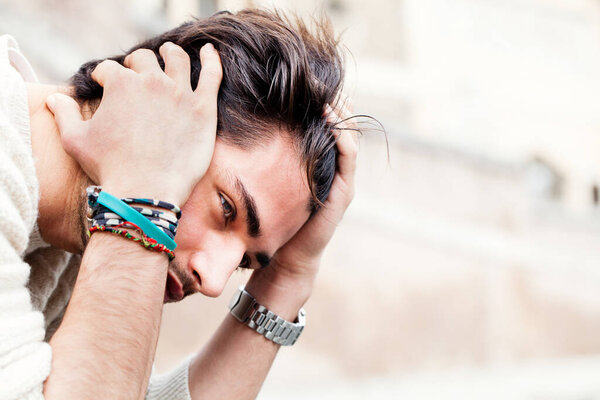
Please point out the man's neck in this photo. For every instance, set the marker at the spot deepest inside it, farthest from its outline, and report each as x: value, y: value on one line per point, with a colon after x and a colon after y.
x: 61, y: 180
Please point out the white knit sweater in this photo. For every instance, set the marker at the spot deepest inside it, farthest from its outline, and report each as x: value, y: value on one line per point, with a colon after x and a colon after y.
x: 36, y: 279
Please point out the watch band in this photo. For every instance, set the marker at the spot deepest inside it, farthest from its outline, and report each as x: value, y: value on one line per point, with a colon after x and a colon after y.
x: 246, y: 310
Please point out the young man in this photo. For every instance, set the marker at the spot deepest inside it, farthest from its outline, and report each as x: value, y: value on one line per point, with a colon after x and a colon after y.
x: 262, y: 172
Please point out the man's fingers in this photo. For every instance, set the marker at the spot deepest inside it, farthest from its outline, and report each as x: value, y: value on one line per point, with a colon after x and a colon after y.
x: 142, y: 60
x: 210, y: 74
x: 349, y: 105
x: 346, y: 144
x: 69, y: 121
x: 177, y: 64
x: 347, y: 109
x: 341, y: 117
x: 332, y: 117
x: 107, y: 71
x: 347, y: 152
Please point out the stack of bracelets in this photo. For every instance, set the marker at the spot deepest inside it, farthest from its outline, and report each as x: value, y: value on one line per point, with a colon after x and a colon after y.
x: 157, y: 228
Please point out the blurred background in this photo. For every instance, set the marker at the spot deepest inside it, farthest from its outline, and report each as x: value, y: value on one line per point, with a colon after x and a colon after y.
x: 467, y: 266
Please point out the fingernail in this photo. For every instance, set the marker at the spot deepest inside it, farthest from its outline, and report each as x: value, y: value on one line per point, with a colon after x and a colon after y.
x: 51, y: 100
x: 332, y: 115
x: 209, y: 46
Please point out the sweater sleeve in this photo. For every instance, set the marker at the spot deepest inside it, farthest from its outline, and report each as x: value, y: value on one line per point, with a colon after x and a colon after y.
x: 24, y: 356
x: 174, y: 385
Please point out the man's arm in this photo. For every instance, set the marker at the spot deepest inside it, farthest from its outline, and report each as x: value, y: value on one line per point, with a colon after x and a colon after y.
x: 105, y: 345
x: 235, y: 363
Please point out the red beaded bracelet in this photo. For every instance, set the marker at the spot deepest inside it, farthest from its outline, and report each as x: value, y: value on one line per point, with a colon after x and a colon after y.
x: 144, y: 240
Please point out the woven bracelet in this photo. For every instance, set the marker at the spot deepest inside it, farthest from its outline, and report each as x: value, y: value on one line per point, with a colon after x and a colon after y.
x: 155, y: 203
x: 111, y: 220
x: 103, y: 214
x: 144, y: 240
x: 150, y: 213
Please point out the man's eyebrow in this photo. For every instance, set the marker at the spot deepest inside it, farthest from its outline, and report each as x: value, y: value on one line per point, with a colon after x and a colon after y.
x: 252, y: 219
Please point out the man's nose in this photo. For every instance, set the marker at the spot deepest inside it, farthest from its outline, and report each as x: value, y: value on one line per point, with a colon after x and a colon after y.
x: 215, y: 265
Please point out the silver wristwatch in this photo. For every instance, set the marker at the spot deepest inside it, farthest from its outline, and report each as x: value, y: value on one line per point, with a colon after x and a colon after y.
x: 245, y: 308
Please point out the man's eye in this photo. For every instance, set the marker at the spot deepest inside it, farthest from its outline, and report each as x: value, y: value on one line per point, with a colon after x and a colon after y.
x: 228, y: 211
x: 245, y: 263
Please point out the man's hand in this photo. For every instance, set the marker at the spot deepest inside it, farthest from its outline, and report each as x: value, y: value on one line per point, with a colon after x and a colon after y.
x: 296, y: 263
x: 152, y: 136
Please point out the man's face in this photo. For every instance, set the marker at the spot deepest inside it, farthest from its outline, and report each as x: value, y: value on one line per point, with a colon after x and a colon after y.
x: 248, y: 204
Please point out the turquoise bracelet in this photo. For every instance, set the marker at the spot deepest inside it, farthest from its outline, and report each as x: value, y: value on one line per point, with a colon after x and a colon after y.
x: 131, y: 215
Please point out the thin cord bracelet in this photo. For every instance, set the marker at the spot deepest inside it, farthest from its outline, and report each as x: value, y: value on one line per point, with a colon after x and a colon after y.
x: 112, y: 222
x: 149, y: 212
x: 144, y: 240
x: 145, y: 211
x: 105, y: 213
x: 102, y: 213
x: 156, y: 203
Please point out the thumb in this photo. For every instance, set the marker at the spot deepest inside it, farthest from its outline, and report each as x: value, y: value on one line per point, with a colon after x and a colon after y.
x: 69, y: 120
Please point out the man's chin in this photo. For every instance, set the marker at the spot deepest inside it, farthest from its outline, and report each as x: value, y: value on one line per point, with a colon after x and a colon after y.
x: 167, y: 299
x: 173, y: 289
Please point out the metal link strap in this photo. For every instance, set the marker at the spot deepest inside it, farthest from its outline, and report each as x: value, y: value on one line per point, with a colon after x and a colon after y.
x: 265, y: 322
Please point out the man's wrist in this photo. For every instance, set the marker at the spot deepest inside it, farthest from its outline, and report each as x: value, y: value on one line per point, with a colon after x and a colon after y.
x: 248, y: 311
x: 284, y: 295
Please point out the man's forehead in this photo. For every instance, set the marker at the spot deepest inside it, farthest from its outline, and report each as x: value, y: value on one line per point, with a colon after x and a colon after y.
x: 275, y: 160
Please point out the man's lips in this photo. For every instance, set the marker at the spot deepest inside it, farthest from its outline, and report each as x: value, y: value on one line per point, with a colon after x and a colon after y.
x: 173, y: 289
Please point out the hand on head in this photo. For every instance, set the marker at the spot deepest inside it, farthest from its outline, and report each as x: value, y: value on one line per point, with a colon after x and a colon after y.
x: 152, y: 135
x: 299, y: 258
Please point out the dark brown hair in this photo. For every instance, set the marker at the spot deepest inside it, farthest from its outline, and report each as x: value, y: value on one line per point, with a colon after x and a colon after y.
x: 276, y: 73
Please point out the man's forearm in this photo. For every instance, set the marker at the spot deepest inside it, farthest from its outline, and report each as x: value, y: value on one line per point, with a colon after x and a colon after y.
x: 235, y: 363
x: 106, y: 343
